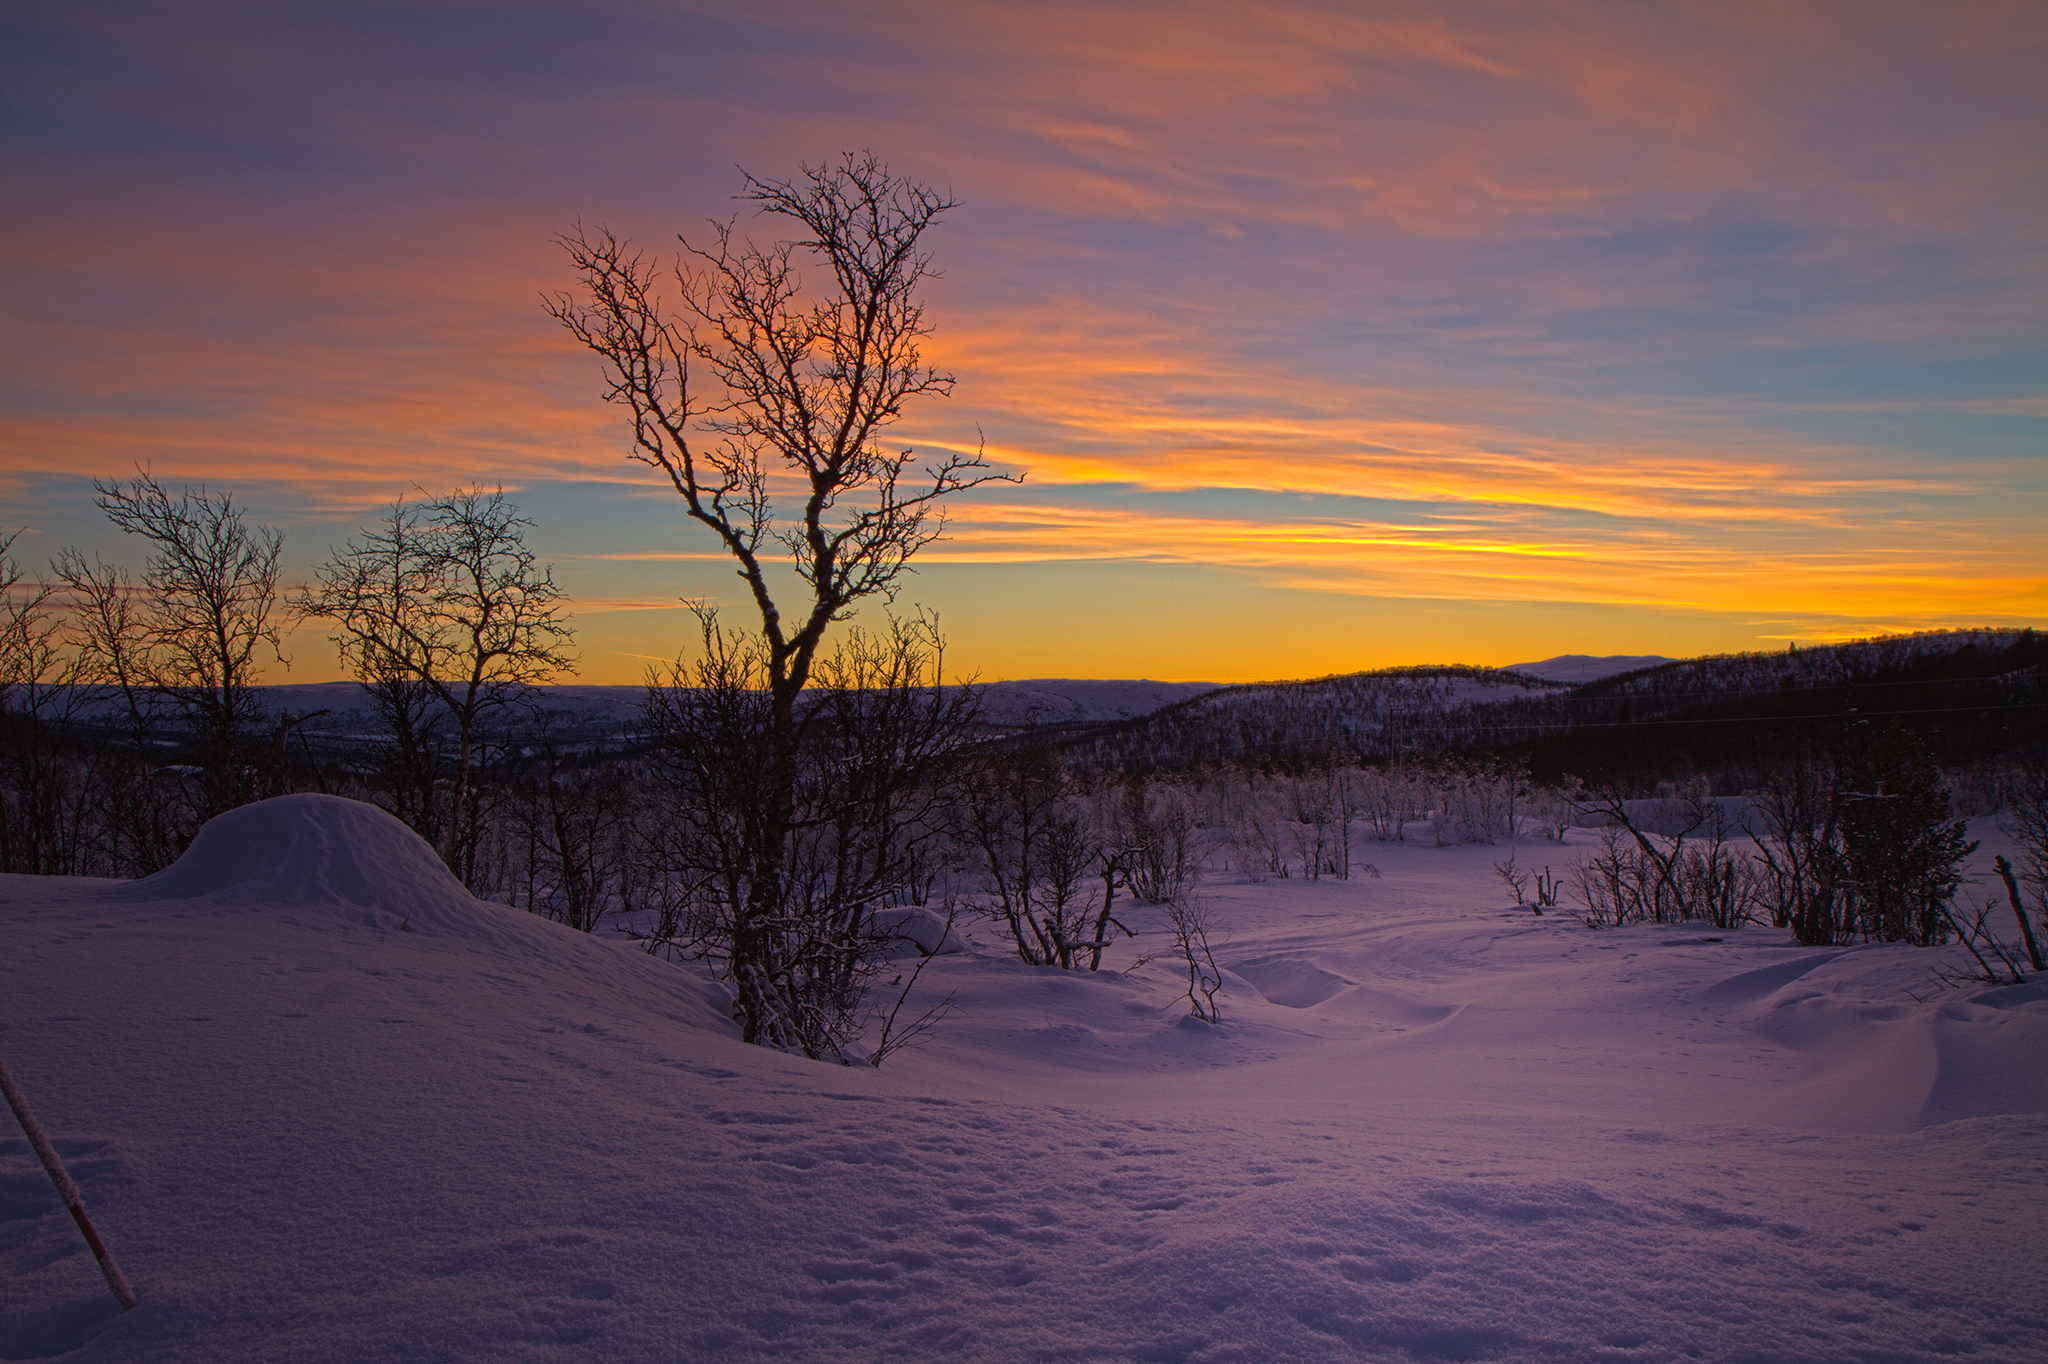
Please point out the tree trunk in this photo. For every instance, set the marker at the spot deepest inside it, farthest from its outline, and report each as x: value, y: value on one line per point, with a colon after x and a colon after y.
x: 2019, y: 910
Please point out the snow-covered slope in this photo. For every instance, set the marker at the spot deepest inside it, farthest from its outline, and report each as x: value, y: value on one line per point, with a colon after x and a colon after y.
x: 325, y: 1108
x: 1576, y: 668
x: 1062, y: 700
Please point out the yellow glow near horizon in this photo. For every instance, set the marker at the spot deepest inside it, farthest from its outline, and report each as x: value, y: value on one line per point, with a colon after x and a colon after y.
x: 1483, y: 328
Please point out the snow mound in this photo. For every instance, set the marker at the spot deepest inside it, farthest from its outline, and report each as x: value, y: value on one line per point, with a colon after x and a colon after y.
x: 322, y: 852
x: 1290, y: 982
x: 919, y: 932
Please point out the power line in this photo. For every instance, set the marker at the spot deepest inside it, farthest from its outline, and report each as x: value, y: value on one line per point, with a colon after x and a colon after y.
x: 1852, y: 716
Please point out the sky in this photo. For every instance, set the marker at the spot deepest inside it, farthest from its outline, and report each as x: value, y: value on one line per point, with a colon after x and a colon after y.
x: 1325, y: 337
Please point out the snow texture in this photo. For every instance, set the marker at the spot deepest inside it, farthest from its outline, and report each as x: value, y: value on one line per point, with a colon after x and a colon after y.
x: 324, y: 1107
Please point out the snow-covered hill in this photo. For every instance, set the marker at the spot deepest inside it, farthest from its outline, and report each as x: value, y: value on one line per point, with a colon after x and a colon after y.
x: 1062, y: 700
x: 1576, y: 668
x: 324, y: 1107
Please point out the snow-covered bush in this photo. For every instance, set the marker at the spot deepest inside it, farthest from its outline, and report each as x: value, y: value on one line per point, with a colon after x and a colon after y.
x: 1258, y: 834
x: 1474, y: 801
x: 1162, y: 830
x: 1387, y: 800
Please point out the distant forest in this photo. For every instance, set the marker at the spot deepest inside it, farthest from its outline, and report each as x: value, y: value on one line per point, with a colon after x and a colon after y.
x: 1974, y: 697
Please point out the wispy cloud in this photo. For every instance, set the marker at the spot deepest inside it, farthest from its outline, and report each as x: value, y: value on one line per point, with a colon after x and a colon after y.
x: 1681, y: 308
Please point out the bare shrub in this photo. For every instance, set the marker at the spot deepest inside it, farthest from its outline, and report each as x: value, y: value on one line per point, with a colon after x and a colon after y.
x: 1556, y: 807
x: 1997, y: 963
x: 797, y: 921
x: 1191, y: 923
x: 1902, y: 849
x: 1514, y: 878
x: 1641, y: 877
x: 2026, y: 820
x: 571, y: 853
x: 1049, y: 869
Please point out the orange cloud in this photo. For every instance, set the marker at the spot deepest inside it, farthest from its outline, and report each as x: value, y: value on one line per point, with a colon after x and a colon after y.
x: 1540, y: 304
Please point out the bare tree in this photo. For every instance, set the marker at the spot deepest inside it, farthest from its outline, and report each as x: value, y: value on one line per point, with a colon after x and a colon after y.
x: 194, y: 631
x: 149, y: 814
x: 378, y: 591
x: 493, y: 629
x: 758, y: 386
x: 442, y: 603
x: 26, y: 621
x: 1801, y: 847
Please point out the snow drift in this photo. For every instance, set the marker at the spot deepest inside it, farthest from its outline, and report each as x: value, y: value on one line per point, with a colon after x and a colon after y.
x: 1431, y: 1127
x: 318, y: 852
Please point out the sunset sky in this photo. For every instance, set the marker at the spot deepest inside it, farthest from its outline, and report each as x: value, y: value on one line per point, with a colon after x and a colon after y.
x: 1327, y: 336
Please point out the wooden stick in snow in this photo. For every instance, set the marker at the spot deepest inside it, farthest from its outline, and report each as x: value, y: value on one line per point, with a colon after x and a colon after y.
x: 66, y: 1190
x: 2012, y: 891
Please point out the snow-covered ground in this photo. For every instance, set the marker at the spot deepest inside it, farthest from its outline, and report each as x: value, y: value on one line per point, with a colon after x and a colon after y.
x: 1065, y: 700
x: 324, y: 1107
x: 1577, y: 668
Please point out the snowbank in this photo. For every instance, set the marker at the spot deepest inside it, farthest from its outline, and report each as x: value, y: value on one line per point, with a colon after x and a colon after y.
x: 1431, y: 1126
x: 318, y: 852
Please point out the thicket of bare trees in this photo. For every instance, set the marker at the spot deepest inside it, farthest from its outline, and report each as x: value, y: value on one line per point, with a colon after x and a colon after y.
x: 191, y: 633
x: 1839, y: 849
x: 129, y: 702
x: 128, y: 710
x: 1696, y: 873
x: 1046, y: 857
x: 131, y: 713
x: 858, y: 834
x: 445, y: 616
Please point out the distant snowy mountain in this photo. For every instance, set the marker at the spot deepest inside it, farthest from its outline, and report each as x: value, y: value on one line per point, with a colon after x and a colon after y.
x: 1576, y: 668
